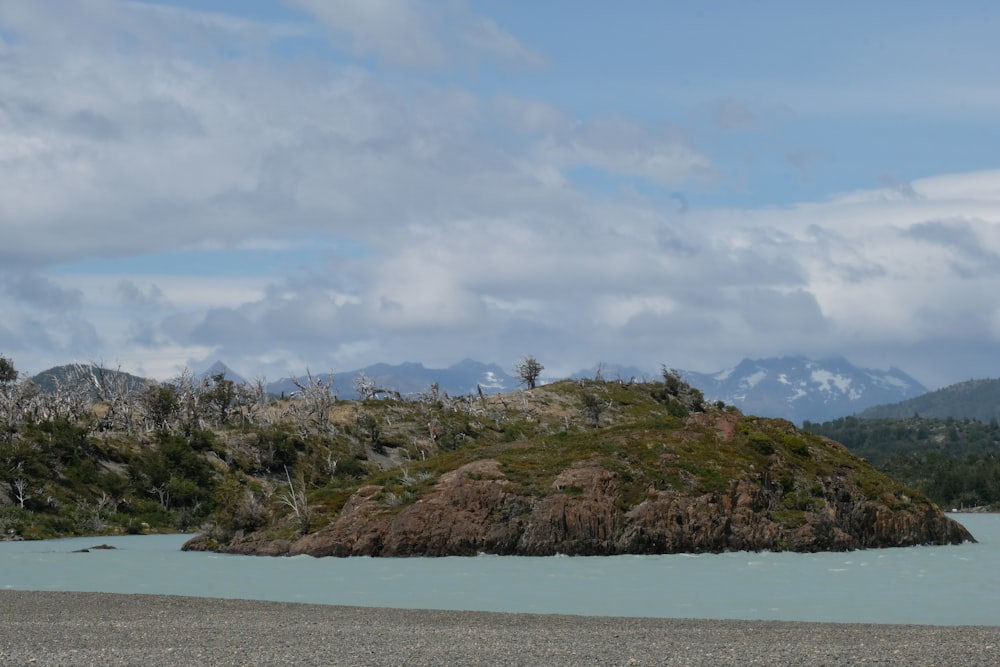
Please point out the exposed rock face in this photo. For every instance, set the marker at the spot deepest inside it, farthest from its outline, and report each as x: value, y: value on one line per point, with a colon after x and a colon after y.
x: 585, y: 511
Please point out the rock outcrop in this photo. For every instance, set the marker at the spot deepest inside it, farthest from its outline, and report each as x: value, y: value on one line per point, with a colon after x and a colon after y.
x: 721, y: 482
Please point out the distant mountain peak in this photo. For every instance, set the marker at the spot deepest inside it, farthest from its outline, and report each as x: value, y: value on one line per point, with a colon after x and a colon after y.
x: 409, y: 378
x: 219, y: 368
x: 798, y: 388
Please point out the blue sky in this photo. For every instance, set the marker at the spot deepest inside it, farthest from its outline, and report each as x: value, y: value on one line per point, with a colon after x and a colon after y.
x: 334, y: 183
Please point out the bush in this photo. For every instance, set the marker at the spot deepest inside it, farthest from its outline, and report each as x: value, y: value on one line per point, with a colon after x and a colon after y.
x: 761, y: 444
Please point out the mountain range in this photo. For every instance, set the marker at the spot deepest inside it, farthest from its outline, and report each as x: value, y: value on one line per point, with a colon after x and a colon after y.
x: 793, y: 387
x: 411, y: 378
x: 801, y: 389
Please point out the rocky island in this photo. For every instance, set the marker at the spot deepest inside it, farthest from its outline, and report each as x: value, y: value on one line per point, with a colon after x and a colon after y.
x: 583, y: 467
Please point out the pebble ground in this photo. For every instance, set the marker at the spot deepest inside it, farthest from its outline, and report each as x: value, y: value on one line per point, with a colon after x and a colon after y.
x: 96, y: 629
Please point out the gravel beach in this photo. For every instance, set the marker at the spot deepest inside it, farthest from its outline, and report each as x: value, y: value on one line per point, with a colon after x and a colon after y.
x: 47, y: 628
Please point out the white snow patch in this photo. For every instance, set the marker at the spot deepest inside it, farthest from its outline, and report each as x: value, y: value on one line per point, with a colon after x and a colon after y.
x: 828, y: 381
x: 799, y: 393
x: 751, y: 381
x: 491, y: 381
x: 721, y: 376
x: 891, y: 381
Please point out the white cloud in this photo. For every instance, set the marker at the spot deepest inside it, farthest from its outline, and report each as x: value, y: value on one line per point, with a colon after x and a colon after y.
x: 626, y: 147
x: 442, y: 219
x: 484, y: 35
x: 805, y: 278
x: 617, y: 310
x: 532, y: 116
x: 418, y: 33
x: 392, y: 29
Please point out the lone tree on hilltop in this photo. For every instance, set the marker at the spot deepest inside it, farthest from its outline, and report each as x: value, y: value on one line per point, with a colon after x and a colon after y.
x: 690, y: 397
x: 528, y: 369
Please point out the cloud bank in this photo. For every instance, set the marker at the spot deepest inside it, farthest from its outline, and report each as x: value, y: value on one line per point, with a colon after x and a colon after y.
x: 347, y: 185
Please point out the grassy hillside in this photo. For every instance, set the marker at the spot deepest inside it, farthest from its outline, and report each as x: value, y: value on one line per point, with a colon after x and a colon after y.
x: 191, y: 454
x: 232, y: 462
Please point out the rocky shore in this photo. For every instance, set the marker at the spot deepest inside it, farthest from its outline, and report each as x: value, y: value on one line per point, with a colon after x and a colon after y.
x: 588, y: 512
x: 83, y: 629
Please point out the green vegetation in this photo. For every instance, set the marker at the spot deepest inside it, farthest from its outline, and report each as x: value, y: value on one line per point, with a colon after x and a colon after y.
x: 973, y: 399
x: 228, y: 460
x: 956, y: 462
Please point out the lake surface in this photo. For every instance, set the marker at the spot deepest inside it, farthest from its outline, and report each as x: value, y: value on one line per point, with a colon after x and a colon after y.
x: 952, y: 585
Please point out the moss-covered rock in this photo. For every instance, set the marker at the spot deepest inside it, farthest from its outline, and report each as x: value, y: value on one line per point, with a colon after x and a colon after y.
x: 651, y: 476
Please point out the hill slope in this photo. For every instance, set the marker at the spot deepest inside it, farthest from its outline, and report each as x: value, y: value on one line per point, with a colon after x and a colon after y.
x: 88, y: 376
x: 591, y: 467
x: 954, y: 461
x: 973, y: 399
x: 580, y: 467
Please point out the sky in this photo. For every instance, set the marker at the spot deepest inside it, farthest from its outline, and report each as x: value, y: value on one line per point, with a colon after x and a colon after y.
x: 327, y: 184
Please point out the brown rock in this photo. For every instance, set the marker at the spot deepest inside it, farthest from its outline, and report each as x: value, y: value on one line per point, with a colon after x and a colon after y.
x: 774, y: 503
x: 580, y: 518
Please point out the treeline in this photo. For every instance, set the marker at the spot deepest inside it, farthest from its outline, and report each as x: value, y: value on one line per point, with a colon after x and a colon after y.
x: 956, y: 462
x: 973, y: 399
x: 95, y: 452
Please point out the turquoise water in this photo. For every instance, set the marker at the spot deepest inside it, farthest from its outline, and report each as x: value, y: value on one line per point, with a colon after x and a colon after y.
x: 954, y: 585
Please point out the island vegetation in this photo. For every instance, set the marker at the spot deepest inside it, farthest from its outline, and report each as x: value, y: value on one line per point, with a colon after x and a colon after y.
x: 956, y: 462
x: 578, y: 466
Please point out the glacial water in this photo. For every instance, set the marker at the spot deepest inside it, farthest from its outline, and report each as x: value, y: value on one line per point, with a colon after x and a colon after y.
x: 953, y: 585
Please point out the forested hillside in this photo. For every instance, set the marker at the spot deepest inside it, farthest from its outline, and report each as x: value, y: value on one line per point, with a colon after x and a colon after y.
x: 96, y: 452
x: 973, y: 399
x: 954, y: 461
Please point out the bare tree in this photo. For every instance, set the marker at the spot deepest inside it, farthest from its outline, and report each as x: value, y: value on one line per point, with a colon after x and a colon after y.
x: 188, y: 401
x: 29, y: 404
x: 330, y: 463
x: 19, y: 401
x: 162, y: 492
x: 251, y: 400
x: 25, y: 401
x: 70, y: 398
x: 111, y: 388
x: 368, y: 389
x: 317, y: 397
x: 8, y: 386
x: 295, y: 498
x: 21, y: 492
x: 527, y: 370
x: 599, y: 373
x: 432, y: 394
x: 365, y: 386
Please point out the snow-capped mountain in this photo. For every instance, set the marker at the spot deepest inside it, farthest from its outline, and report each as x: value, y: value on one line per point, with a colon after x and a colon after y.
x: 800, y: 389
x: 795, y: 388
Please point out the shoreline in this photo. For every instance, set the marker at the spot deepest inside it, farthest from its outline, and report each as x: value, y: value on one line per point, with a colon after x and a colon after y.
x: 56, y: 628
